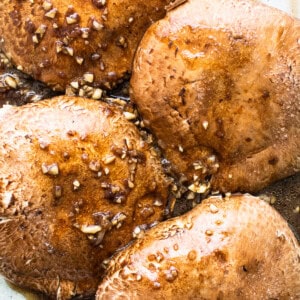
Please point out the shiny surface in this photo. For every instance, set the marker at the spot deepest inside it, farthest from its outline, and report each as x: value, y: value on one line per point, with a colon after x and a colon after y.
x: 228, y: 100
x: 225, y: 248
x: 89, y: 179
x: 7, y: 292
x: 59, y: 44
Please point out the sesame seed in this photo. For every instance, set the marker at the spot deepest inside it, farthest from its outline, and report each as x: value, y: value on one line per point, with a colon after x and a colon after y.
x: 41, y: 30
x: 209, y: 232
x: 197, y: 165
x: 128, y: 144
x: 157, y: 202
x: 156, y: 285
x: 88, y: 77
x: 11, y: 82
x: 191, y: 196
x: 119, y: 200
x: 102, y: 66
x: 205, y: 125
x: 90, y: 229
x: 85, y: 33
x: 115, y: 189
x: 211, y: 159
x: 35, y: 39
x: 95, y: 56
x: 79, y: 60
x: 7, y: 199
x: 272, y: 200
x: 57, y: 191
x: 174, y: 187
x: 118, y: 218
x: 227, y: 195
x: 138, y: 277
x: 51, y: 14
x: 47, y: 5
x: 58, y: 47
x: 96, y: 25
x: 122, y: 42
x: 51, y: 169
x: 69, y: 51
x: 130, y: 184
x: 129, y: 116
x: 213, y: 209
x: 43, y: 145
x: 75, y: 84
x: 280, y: 235
x: 104, y: 185
x: 189, y: 225
x: 72, y: 19
x: 138, y: 232
x: 94, y: 166
x: 198, y: 188
x: 97, y: 94
x: 81, y: 93
x: 76, y: 184
x: 108, y: 159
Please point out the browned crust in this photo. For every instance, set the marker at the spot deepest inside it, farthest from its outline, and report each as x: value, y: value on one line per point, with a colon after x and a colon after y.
x: 58, y: 41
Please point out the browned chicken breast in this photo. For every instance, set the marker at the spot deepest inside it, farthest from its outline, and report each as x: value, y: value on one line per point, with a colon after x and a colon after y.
x: 64, y: 42
x: 218, y: 82
x: 234, y: 248
x: 76, y: 180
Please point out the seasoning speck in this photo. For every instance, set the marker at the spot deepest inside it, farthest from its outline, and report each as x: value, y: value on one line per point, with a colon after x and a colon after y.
x: 51, y: 169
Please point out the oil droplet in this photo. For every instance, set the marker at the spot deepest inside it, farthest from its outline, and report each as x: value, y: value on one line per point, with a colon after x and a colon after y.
x: 152, y: 268
x: 151, y: 257
x: 219, y: 222
x: 209, y: 232
x: 192, y: 255
x: 213, y: 209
